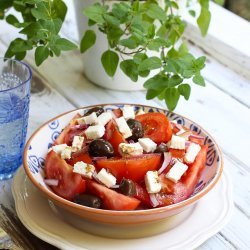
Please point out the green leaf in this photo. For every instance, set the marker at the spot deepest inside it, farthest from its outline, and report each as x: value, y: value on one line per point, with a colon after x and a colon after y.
x: 41, y: 54
x: 203, y: 21
x: 114, y: 34
x: 156, y: 44
x: 152, y: 93
x: 174, y: 80
x: 150, y: 63
x: 88, y: 40
x: 64, y: 44
x: 174, y: 5
x: 130, y: 43
x: 11, y: 19
x: 110, y: 61
x: 139, y: 57
x: 200, y: 62
x: 60, y: 9
x: 144, y: 73
x: 192, y: 13
x: 120, y: 10
x: 130, y: 68
x: 172, y: 96
x: 20, y: 45
x: 157, y: 82
x: 185, y: 90
x: 199, y: 80
x: 95, y: 12
x: 156, y: 12
x: 32, y: 29
x: 41, y: 11
x: 111, y: 20
x: 220, y: 2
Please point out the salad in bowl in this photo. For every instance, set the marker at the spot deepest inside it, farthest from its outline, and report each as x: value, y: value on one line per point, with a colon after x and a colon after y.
x: 122, y: 163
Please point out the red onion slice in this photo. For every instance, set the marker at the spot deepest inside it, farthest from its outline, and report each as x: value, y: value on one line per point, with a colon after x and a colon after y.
x: 115, y: 186
x: 153, y: 200
x: 178, y: 126
x: 187, y: 144
x: 99, y: 158
x: 95, y: 177
x: 51, y: 182
x: 197, y: 137
x: 167, y: 160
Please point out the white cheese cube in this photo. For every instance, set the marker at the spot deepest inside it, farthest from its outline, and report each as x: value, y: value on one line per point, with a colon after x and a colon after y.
x: 176, y: 172
x: 192, y: 152
x: 112, y: 113
x: 84, y: 169
x: 152, y: 182
x: 66, y: 153
x: 77, y: 143
x: 104, y: 118
x: 59, y: 148
x: 106, y: 178
x: 91, y: 119
x: 130, y: 149
x: 95, y: 132
x: 128, y: 112
x: 177, y: 142
x: 181, y: 131
x: 123, y: 127
x: 147, y: 144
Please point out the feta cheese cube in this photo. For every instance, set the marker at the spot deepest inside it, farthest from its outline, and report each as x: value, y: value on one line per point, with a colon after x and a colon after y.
x: 77, y: 143
x: 95, y: 132
x: 176, y: 172
x: 123, y: 127
x: 106, y: 178
x: 89, y: 119
x: 147, y: 144
x: 192, y: 152
x: 104, y: 118
x: 128, y: 112
x: 84, y: 169
x: 130, y: 149
x: 66, y: 153
x: 59, y: 148
x: 177, y: 142
x: 152, y: 182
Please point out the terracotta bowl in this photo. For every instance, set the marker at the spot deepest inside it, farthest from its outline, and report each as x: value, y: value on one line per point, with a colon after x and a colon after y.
x: 86, y: 217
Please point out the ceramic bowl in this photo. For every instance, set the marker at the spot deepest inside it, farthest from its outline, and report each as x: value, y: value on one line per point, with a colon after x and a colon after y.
x: 37, y: 148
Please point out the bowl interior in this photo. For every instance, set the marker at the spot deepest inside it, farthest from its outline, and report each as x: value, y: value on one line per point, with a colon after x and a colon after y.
x: 37, y: 147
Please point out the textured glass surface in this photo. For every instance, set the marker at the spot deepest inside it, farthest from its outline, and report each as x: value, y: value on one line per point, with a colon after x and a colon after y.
x: 15, y: 80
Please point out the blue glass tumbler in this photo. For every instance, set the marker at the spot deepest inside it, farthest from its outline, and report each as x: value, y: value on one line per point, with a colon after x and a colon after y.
x: 15, y: 79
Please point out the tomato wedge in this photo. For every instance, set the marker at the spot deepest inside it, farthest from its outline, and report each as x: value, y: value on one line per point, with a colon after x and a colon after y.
x: 114, y: 136
x: 61, y: 138
x: 142, y: 195
x: 177, y: 153
x: 156, y: 126
x: 195, y: 169
x: 111, y: 199
x: 70, y: 184
x: 80, y: 156
x: 117, y: 112
x: 133, y: 168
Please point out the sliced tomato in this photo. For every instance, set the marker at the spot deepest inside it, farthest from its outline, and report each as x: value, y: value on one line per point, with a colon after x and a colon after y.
x: 113, y: 136
x: 80, y: 156
x: 156, y: 126
x: 133, y: 168
x: 142, y: 195
x: 70, y: 184
x: 111, y: 199
x: 177, y: 153
x: 195, y: 169
x: 117, y: 112
x: 199, y: 141
x: 61, y: 138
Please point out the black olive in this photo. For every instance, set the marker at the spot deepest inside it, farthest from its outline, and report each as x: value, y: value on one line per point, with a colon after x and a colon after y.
x: 127, y: 187
x: 136, y: 129
x: 161, y: 148
x: 88, y: 200
x: 100, y: 147
x: 97, y: 110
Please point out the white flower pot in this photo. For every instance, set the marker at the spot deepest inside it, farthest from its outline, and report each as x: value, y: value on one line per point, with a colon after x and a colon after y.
x: 92, y: 58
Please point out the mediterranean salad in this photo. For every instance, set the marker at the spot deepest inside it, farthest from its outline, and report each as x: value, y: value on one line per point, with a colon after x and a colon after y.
x: 125, y: 160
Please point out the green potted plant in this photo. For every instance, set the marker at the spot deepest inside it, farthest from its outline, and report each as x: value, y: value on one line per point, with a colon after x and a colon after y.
x: 138, y: 40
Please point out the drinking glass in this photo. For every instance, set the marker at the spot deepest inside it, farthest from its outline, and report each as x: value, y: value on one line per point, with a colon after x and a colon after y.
x: 15, y: 79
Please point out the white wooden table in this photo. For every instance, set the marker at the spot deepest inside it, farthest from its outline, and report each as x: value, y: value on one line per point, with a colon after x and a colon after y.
x: 222, y: 108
